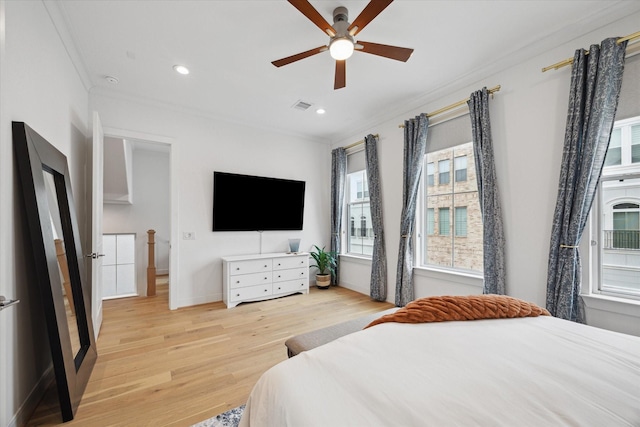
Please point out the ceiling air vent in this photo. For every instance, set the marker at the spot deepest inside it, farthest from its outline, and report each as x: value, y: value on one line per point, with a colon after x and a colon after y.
x: 301, y: 105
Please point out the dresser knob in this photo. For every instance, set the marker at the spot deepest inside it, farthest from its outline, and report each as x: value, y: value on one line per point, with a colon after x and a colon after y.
x: 265, y: 278
x: 302, y: 273
x: 266, y: 290
x: 265, y: 266
x: 237, y: 268
x: 237, y: 281
x: 279, y: 288
x: 237, y: 295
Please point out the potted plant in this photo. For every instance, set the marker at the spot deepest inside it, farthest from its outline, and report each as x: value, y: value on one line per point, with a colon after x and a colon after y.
x: 326, y: 263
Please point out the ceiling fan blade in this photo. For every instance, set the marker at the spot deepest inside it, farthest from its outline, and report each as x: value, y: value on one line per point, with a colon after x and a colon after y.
x: 314, y: 16
x: 341, y: 75
x: 372, y: 10
x: 392, y: 52
x: 299, y: 56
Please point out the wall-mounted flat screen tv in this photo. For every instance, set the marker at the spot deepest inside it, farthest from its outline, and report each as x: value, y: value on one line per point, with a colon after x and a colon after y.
x: 256, y: 203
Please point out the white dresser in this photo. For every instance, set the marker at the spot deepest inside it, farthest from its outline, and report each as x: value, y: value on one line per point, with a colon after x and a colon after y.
x: 264, y: 276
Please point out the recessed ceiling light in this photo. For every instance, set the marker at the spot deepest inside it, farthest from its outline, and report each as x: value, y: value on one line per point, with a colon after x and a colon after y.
x: 181, y: 69
x: 320, y: 111
x: 112, y: 80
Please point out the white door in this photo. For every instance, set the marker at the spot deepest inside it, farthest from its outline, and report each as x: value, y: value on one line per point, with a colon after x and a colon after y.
x: 96, y: 223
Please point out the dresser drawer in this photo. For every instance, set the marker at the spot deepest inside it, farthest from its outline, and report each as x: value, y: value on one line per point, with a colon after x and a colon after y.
x: 243, y: 294
x: 244, y: 280
x: 294, y: 262
x: 290, y: 286
x: 292, y: 274
x: 249, y: 266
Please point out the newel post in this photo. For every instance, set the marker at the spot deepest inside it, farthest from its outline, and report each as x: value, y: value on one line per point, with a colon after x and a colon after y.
x: 151, y: 268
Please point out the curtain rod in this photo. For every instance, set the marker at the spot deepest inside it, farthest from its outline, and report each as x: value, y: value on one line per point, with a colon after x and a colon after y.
x: 355, y: 144
x: 456, y: 104
x: 569, y: 61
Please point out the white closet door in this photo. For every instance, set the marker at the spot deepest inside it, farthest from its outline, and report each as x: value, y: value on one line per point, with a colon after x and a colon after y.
x: 126, y: 249
x: 109, y: 281
x: 109, y: 249
x: 119, y: 271
x: 126, y: 279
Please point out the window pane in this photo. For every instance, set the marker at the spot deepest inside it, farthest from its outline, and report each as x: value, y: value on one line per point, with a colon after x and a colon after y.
x: 443, y: 221
x: 613, y: 157
x: 620, y: 248
x: 358, y: 186
x: 461, y: 221
x: 431, y: 221
x: 635, y: 144
x: 443, y: 170
x: 430, y: 172
x: 614, y: 153
x: 360, y: 231
x: 461, y: 168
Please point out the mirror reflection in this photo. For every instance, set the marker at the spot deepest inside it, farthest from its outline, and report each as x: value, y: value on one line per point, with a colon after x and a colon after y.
x: 63, y: 269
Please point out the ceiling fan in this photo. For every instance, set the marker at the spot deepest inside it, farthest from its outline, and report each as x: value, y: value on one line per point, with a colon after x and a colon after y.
x: 341, y: 41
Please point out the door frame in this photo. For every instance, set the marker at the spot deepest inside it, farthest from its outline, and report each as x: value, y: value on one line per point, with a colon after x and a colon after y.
x: 174, y: 241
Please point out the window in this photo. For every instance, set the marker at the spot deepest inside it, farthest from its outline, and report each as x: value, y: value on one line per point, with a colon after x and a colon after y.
x: 443, y: 169
x: 430, y: 172
x: 616, y: 214
x: 451, y: 230
x: 431, y: 221
x: 461, y: 221
x: 443, y: 221
x: 360, y: 240
x: 614, y: 153
x: 460, y: 163
x: 635, y: 144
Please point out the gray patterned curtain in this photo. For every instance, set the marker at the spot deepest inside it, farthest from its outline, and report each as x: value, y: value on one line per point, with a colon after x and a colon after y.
x: 379, y: 257
x: 595, y: 86
x: 493, y: 231
x: 415, y: 143
x: 338, y: 178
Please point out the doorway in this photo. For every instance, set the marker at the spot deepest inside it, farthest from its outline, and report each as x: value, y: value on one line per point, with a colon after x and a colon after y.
x: 140, y: 195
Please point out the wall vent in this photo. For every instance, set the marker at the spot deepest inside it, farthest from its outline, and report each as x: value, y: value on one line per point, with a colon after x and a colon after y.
x: 301, y: 105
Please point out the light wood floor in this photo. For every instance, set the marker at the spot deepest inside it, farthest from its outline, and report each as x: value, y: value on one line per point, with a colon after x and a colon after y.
x: 158, y: 367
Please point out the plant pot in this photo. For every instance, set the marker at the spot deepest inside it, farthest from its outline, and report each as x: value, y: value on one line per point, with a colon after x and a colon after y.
x: 323, y: 281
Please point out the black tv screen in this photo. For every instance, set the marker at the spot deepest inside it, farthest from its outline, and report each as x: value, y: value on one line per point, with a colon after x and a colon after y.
x: 255, y: 203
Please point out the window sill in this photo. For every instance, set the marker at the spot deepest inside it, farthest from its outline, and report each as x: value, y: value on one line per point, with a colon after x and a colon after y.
x: 356, y: 259
x: 612, y: 304
x: 469, y: 279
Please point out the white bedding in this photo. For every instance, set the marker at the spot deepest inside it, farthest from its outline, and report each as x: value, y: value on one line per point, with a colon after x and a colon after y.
x: 539, y: 371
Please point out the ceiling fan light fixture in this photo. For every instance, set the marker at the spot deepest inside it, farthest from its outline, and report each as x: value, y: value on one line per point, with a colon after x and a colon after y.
x: 341, y: 48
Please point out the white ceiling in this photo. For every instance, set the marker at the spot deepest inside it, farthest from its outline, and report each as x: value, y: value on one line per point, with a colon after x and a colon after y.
x: 229, y: 46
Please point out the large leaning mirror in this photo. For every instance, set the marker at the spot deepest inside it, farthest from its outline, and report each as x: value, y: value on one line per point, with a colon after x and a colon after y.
x: 59, y: 269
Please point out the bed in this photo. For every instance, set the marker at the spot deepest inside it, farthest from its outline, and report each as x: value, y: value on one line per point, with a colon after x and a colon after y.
x: 517, y: 371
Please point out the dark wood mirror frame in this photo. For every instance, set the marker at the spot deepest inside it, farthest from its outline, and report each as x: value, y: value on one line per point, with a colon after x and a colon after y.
x: 34, y: 155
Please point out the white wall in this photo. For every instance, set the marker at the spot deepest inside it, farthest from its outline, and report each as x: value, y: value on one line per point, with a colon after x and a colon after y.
x: 204, y: 145
x: 40, y: 87
x: 150, y: 210
x: 528, y: 119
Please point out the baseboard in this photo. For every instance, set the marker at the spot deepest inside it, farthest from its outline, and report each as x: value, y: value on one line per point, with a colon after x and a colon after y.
x: 30, y: 404
x: 187, y: 302
x: 361, y: 289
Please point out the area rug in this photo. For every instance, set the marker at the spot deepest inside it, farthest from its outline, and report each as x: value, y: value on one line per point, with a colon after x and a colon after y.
x: 231, y: 418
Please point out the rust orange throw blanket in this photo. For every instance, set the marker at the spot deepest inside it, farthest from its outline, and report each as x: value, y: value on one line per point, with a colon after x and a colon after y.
x: 470, y: 307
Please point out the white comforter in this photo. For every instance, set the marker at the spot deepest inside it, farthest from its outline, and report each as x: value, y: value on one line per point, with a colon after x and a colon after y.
x: 538, y: 371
